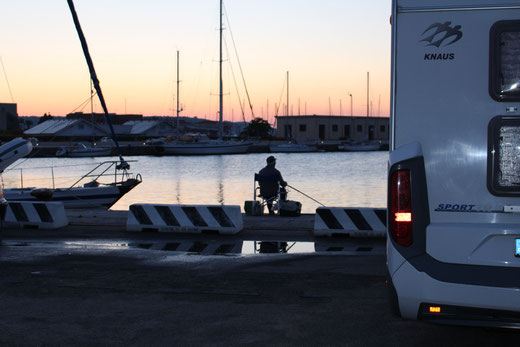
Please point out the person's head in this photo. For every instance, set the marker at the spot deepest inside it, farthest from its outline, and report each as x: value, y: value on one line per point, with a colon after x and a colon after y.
x: 271, y: 161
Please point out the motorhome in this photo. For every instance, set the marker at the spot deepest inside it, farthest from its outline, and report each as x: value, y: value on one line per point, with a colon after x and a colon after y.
x: 453, y: 249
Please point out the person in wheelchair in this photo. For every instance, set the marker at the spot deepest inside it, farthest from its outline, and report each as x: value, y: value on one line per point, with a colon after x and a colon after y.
x: 270, y: 182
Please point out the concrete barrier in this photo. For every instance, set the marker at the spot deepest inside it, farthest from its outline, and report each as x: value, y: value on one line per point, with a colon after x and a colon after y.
x: 185, y: 218
x: 355, y: 222
x: 35, y: 214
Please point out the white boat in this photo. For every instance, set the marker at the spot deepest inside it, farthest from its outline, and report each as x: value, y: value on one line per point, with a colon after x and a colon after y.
x: 81, y: 150
x: 90, y: 194
x: 292, y: 148
x: 200, y: 144
x: 360, y: 146
x: 204, y: 148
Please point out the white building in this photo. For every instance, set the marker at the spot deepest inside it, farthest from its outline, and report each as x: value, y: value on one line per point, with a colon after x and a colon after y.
x: 66, y: 129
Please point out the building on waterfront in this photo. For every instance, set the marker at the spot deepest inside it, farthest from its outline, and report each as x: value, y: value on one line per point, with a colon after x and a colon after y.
x: 332, y: 128
x: 101, y: 118
x: 145, y: 129
x: 27, y: 122
x: 8, y: 117
x: 66, y: 129
x: 80, y: 129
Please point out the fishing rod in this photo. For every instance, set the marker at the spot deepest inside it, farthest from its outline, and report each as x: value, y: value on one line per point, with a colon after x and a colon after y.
x: 299, y: 191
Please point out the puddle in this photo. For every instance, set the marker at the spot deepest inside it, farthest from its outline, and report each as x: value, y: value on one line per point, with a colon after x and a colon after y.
x: 215, y: 247
x: 260, y: 247
x: 95, y: 245
x: 255, y: 247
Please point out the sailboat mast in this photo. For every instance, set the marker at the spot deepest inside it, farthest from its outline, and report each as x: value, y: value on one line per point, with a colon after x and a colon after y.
x: 287, y: 106
x: 220, y: 95
x: 368, y: 92
x: 95, y: 80
x: 368, y: 104
x: 178, y: 95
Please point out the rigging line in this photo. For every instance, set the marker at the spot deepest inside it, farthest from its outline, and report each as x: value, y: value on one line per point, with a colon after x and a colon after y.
x: 236, y: 86
x: 239, y: 64
x: 7, y: 80
x: 281, y: 94
x: 84, y: 103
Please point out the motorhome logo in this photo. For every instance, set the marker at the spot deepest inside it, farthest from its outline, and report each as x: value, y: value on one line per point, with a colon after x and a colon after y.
x: 441, y: 35
x: 436, y: 37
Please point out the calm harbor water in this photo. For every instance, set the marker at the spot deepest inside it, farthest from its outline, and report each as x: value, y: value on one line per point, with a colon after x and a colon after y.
x: 333, y: 178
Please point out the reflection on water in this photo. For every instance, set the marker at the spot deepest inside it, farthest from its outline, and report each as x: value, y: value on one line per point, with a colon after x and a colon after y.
x: 210, y: 247
x: 335, y: 179
x: 254, y: 247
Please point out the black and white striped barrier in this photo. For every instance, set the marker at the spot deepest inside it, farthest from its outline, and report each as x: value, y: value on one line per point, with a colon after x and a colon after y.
x: 38, y: 215
x: 356, y: 222
x: 185, y: 218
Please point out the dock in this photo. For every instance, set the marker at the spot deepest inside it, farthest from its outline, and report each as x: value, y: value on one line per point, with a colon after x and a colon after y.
x: 101, y: 224
x: 137, y: 148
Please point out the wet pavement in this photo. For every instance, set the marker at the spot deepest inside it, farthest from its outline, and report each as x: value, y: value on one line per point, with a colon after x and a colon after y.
x: 98, y: 285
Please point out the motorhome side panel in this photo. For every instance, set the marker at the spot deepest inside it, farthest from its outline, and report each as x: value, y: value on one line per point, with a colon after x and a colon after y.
x: 448, y: 126
x: 443, y: 102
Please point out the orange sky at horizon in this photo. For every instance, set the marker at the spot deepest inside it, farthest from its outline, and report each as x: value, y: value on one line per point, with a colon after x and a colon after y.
x: 327, y: 47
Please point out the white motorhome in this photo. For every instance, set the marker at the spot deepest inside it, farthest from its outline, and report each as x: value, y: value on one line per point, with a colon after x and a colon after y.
x: 453, y: 250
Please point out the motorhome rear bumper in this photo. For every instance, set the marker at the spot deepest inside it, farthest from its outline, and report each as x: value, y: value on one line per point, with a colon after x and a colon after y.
x: 416, y: 288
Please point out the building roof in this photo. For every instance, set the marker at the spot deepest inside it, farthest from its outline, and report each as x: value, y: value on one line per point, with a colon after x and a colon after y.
x: 141, y: 127
x: 57, y: 126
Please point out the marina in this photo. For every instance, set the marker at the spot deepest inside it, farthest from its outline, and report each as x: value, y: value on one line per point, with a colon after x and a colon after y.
x: 214, y: 209
x: 161, y: 148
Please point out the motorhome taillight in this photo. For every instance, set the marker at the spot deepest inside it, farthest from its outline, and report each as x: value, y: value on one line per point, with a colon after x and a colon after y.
x: 400, y: 209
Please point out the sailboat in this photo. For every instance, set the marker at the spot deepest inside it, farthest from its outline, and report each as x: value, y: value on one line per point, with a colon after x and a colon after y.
x: 201, y: 145
x: 291, y: 146
x: 362, y: 145
x: 81, y: 150
x: 87, y: 191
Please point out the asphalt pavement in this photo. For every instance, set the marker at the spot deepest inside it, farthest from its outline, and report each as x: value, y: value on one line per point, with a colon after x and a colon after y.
x: 90, y: 285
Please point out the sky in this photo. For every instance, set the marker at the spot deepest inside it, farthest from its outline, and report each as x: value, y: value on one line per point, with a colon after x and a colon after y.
x: 328, y: 46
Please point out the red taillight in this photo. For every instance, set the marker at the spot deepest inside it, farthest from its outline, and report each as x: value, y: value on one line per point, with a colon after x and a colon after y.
x: 400, y: 209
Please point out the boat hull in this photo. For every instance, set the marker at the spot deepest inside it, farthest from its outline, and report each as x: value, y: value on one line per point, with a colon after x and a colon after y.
x: 84, y: 153
x: 359, y: 148
x: 77, y: 197
x: 288, y: 148
x: 204, y: 149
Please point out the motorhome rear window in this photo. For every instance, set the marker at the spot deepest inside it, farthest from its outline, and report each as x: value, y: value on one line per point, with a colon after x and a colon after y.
x: 504, y: 156
x: 505, y: 61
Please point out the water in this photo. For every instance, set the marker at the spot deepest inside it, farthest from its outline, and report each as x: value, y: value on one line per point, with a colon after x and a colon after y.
x: 355, y: 179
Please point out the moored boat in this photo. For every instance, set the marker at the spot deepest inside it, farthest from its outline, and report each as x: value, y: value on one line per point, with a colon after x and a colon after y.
x: 87, y: 192
x: 200, y: 144
x: 292, y: 148
x: 204, y: 148
x: 360, y: 146
x: 80, y: 150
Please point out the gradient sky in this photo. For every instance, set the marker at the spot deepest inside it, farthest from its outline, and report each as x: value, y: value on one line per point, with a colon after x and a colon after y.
x: 327, y: 46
